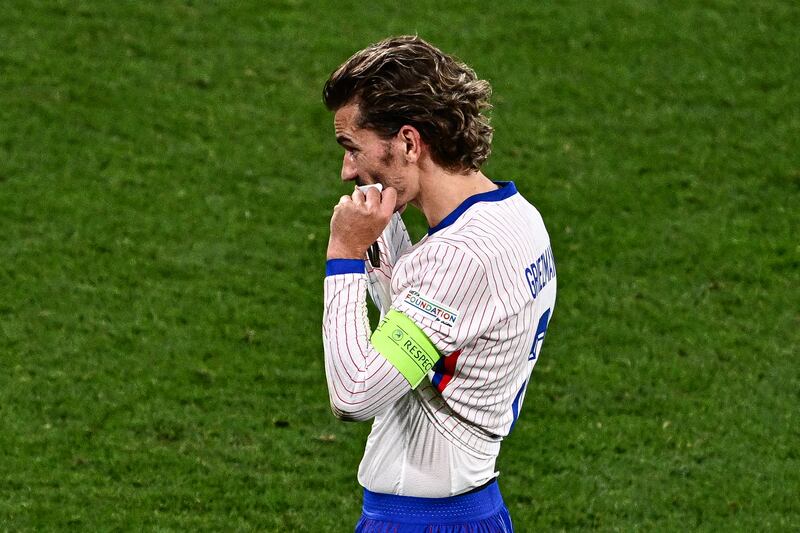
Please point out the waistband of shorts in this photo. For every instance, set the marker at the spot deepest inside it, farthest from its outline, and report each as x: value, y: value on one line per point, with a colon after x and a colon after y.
x: 412, y: 509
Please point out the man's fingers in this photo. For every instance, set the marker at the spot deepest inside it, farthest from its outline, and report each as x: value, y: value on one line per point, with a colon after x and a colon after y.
x: 388, y: 201
x: 373, y: 197
x: 344, y: 199
x: 357, y: 197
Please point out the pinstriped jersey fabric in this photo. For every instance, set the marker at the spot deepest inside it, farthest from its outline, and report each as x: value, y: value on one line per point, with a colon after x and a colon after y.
x: 482, y: 287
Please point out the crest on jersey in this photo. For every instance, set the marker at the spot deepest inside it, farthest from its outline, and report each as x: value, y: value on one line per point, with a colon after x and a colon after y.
x: 439, y: 312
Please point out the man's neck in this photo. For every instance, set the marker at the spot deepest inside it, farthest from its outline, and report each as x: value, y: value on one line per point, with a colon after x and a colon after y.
x: 442, y: 192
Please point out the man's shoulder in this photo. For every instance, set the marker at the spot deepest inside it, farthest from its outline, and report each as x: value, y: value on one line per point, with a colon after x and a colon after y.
x: 488, y: 235
x: 494, y: 228
x: 449, y: 248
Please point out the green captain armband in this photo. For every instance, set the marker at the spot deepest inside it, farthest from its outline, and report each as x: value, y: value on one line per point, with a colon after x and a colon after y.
x: 400, y: 340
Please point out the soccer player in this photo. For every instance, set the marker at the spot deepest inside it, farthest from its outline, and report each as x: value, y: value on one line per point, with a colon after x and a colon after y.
x: 464, y: 310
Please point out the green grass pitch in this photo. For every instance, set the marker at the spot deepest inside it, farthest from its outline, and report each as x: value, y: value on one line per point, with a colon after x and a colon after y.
x: 167, y: 172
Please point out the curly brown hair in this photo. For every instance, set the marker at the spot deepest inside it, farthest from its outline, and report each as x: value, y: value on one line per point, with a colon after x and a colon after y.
x: 407, y: 81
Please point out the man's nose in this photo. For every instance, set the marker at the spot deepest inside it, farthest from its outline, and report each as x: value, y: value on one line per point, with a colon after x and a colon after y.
x: 349, y: 171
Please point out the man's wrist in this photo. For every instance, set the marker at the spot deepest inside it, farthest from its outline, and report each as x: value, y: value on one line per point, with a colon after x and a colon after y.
x: 341, y: 252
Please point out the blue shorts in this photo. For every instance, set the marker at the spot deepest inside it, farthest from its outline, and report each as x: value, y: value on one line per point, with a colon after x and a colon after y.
x: 482, y: 511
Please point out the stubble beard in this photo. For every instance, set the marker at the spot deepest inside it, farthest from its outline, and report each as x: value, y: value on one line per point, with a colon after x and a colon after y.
x: 387, y: 160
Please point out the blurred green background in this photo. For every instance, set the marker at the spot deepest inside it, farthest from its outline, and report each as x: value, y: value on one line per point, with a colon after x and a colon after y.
x: 167, y: 173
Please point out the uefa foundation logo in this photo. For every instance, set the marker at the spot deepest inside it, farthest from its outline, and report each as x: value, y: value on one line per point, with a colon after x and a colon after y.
x: 432, y: 308
x: 397, y: 334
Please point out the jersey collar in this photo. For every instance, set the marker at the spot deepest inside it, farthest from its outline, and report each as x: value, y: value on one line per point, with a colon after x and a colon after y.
x: 506, y: 190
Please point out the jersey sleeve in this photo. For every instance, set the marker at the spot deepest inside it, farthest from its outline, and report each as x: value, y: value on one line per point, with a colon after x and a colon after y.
x: 447, y: 293
x: 361, y: 382
x: 392, y: 243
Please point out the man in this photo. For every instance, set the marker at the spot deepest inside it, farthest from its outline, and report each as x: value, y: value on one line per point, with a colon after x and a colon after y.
x: 464, y: 310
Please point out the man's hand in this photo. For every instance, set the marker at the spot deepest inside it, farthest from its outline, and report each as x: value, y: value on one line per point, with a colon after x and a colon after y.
x: 358, y: 221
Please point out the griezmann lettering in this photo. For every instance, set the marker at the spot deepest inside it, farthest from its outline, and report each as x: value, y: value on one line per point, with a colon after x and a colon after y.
x: 541, y: 272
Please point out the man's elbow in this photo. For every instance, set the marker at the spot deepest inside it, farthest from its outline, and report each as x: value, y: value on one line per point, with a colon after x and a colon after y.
x: 346, y: 413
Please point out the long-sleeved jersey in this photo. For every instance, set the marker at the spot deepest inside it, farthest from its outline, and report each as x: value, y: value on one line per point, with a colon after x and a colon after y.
x: 481, y: 287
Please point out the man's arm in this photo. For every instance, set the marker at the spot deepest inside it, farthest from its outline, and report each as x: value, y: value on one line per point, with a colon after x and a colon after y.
x: 393, y: 243
x: 442, y: 302
x: 367, y: 372
x: 361, y: 382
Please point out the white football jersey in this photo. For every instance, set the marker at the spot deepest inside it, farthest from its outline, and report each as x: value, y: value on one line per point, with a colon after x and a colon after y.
x: 481, y: 285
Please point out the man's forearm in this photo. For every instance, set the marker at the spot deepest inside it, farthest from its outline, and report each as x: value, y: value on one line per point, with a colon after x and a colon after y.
x: 361, y: 382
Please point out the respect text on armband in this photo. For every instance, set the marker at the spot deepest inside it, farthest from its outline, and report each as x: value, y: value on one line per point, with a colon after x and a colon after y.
x: 406, y: 343
x: 419, y: 356
x: 405, y: 346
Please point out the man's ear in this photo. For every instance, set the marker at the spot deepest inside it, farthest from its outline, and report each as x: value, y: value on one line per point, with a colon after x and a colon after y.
x: 412, y: 143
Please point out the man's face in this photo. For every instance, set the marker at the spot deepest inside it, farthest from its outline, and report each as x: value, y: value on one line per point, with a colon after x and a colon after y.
x: 369, y: 159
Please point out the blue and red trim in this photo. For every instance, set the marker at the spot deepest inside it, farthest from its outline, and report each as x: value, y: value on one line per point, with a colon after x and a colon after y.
x: 444, y: 370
